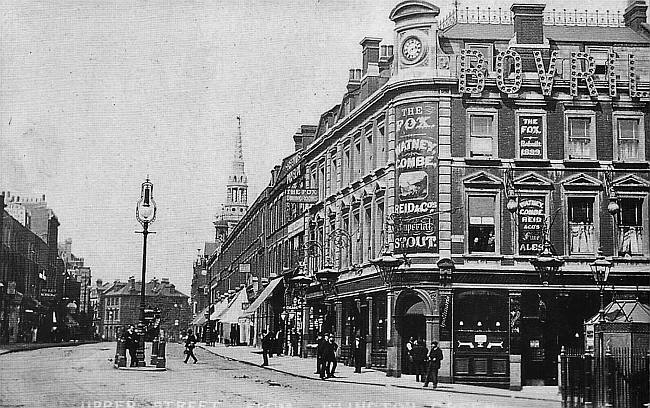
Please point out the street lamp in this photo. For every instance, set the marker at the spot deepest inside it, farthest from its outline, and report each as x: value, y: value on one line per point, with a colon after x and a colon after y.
x: 600, y: 269
x: 145, y: 213
x: 327, y: 278
x: 386, y: 265
x: 547, y: 264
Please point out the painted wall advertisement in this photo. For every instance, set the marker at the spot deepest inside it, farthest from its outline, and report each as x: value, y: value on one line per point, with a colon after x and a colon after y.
x: 531, y: 137
x: 531, y: 224
x: 416, y: 152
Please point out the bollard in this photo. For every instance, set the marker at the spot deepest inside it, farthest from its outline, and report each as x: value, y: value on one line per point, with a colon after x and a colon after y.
x: 154, y: 352
x: 120, y: 354
x: 161, y: 360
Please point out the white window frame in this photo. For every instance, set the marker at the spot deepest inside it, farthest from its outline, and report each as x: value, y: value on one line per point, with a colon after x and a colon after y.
x: 495, y: 131
x: 497, y: 220
x: 618, y: 116
x: 599, y: 50
x: 596, y: 214
x: 531, y: 112
x: 572, y: 114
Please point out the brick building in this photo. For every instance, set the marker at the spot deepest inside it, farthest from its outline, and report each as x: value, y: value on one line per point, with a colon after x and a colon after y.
x: 121, y: 307
x: 463, y: 147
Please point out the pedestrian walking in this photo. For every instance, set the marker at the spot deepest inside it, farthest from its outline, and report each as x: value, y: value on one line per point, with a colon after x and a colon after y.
x: 359, y: 351
x: 419, y: 353
x: 322, y: 351
x: 319, y: 353
x: 190, y: 343
x: 131, y: 344
x: 267, y: 344
x: 293, y: 339
x: 434, y: 357
x: 330, y: 356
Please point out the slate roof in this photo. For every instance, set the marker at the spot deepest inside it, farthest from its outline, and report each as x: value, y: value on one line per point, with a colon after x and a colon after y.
x: 152, y: 288
x: 504, y: 32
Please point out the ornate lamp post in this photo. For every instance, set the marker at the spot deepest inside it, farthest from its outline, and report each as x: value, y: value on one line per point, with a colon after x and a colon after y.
x: 327, y: 278
x: 600, y: 269
x: 547, y: 264
x: 387, y: 264
x: 145, y: 213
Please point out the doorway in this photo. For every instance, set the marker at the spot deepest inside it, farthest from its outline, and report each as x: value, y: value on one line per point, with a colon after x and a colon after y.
x: 411, y: 323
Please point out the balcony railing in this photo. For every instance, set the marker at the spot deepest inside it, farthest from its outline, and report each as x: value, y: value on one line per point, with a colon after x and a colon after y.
x: 563, y: 17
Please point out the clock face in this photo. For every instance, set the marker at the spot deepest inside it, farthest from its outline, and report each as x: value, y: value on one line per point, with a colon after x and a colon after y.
x: 412, y: 49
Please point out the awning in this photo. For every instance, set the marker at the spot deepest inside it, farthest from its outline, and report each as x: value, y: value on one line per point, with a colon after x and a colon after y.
x: 199, y: 319
x: 219, y: 309
x: 232, y: 313
x: 268, y: 290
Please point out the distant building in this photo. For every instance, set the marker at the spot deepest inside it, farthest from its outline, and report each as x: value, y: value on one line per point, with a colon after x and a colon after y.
x: 121, y: 307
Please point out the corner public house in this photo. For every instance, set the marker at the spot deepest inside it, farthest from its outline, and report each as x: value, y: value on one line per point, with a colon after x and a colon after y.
x: 462, y: 151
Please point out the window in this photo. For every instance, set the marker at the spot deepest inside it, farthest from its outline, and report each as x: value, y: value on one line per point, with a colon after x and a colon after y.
x: 629, y: 140
x: 481, y: 231
x: 482, y: 135
x: 381, y: 145
x: 600, y: 56
x: 358, y: 159
x: 581, y: 225
x: 630, y: 227
x: 369, y: 150
x: 321, y: 180
x: 580, y: 131
x: 347, y: 164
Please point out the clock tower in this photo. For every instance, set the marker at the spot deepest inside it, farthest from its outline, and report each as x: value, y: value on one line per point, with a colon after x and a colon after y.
x: 416, y: 38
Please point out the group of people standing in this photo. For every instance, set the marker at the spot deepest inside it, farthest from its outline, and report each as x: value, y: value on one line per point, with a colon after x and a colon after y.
x: 425, y: 362
x: 272, y: 343
x: 326, y: 356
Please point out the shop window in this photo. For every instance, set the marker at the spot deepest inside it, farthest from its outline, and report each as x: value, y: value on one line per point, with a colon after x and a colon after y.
x: 629, y: 138
x: 481, y: 231
x: 581, y: 225
x: 482, y: 135
x: 580, y: 131
x: 630, y: 227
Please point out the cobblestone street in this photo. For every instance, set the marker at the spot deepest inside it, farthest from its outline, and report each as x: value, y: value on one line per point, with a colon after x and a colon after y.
x: 84, y: 376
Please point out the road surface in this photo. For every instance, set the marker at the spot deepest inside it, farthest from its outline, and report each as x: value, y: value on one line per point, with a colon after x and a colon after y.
x: 83, y: 376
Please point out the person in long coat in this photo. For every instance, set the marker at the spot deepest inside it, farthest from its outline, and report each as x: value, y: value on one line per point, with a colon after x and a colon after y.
x: 359, y: 351
x: 190, y: 343
x: 131, y: 344
x: 330, y: 356
x: 321, y: 356
x: 419, y: 353
x: 434, y: 357
x: 267, y: 344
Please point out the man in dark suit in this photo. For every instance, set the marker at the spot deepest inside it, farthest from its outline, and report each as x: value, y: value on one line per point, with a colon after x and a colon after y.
x: 267, y: 344
x: 359, y: 351
x: 435, y: 357
x: 131, y: 343
x: 330, y: 356
x: 321, y: 357
x: 419, y: 353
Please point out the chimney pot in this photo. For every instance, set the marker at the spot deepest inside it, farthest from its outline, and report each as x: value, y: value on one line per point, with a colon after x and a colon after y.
x: 370, y: 51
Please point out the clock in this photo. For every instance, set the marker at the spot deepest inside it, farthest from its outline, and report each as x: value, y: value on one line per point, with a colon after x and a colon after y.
x: 412, y: 49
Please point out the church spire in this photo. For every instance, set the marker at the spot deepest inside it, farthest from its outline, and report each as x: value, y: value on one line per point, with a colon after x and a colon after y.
x: 237, y: 188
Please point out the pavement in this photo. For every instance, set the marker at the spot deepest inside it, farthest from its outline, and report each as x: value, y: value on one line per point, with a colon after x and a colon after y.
x: 306, y: 367
x: 15, y: 347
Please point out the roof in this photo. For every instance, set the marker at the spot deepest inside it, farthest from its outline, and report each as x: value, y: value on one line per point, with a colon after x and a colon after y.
x: 152, y: 288
x: 624, y: 311
x: 199, y: 319
x: 505, y: 32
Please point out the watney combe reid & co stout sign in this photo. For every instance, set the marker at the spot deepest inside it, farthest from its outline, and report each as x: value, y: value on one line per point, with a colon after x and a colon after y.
x: 583, y: 69
x: 416, y: 179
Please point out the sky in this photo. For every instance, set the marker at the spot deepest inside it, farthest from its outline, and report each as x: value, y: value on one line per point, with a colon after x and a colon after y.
x: 97, y: 94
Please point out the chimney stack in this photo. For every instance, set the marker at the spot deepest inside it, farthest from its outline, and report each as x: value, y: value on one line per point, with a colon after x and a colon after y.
x: 385, y: 57
x: 304, y: 136
x: 635, y: 15
x: 370, y: 53
x: 528, y: 23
